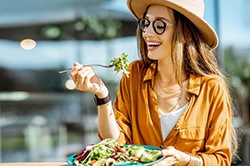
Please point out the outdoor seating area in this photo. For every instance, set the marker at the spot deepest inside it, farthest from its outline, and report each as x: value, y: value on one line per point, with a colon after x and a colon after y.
x: 44, y: 119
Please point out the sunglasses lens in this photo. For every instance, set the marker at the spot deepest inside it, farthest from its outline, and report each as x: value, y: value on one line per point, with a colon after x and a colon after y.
x: 143, y: 24
x: 159, y: 26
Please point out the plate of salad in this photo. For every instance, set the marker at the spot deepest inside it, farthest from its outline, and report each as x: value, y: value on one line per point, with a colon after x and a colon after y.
x: 110, y: 153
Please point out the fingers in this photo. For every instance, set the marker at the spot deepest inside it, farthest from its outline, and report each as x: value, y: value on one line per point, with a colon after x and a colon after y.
x: 82, y: 77
x: 85, y: 79
x: 168, y: 161
x: 175, y: 156
x: 169, y: 151
x: 85, y: 76
x: 74, y: 72
x: 170, y: 157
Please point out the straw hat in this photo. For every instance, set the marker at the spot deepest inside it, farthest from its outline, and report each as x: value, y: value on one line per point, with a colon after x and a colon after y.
x: 192, y: 9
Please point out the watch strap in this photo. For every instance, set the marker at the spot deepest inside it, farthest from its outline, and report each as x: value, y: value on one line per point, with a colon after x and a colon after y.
x: 102, y: 101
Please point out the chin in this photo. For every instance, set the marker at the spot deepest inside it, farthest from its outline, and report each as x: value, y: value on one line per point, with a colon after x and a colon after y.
x: 152, y: 57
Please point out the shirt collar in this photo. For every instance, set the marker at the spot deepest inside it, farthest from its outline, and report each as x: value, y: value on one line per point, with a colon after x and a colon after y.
x: 194, y: 84
x: 150, y: 72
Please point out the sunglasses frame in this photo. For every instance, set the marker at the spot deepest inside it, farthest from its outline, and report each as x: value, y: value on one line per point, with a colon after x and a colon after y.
x: 166, y: 24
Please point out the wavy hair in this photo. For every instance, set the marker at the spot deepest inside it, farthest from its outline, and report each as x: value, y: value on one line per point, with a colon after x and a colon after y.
x: 190, y: 55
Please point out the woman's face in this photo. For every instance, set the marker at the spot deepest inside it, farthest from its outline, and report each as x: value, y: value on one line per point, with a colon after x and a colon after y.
x: 159, y: 45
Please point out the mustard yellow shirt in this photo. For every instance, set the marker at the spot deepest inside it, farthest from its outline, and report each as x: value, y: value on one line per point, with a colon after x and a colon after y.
x: 203, y: 129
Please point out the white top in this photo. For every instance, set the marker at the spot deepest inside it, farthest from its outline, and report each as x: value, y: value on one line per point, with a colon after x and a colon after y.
x: 168, y: 120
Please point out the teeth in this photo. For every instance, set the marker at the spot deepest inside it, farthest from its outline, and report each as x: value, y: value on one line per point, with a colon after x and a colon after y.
x: 153, y: 43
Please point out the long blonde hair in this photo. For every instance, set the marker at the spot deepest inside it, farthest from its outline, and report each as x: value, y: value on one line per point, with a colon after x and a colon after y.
x: 191, y: 55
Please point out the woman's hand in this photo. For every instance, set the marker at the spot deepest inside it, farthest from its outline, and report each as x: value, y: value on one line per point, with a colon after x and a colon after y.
x: 86, y: 80
x: 173, y: 157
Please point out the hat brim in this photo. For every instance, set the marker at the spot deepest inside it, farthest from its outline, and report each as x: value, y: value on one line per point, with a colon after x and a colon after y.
x: 138, y: 7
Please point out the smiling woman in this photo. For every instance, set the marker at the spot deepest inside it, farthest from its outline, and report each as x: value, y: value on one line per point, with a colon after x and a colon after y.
x: 176, y: 76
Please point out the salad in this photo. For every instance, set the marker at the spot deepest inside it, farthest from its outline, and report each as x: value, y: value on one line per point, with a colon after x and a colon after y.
x: 121, y: 63
x: 109, y: 152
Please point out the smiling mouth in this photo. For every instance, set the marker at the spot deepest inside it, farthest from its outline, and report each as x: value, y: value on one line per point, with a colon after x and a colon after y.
x: 153, y: 44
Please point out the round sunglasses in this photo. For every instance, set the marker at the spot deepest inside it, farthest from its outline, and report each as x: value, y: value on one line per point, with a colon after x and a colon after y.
x: 159, y: 25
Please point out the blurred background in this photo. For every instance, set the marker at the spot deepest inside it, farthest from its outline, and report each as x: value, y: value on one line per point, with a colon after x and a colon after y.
x: 43, y: 117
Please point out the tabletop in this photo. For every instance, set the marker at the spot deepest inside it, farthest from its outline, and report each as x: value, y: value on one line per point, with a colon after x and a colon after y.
x: 35, y: 164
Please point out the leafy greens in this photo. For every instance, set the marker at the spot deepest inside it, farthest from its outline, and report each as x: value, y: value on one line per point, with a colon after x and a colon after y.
x: 108, y: 153
x: 121, y: 63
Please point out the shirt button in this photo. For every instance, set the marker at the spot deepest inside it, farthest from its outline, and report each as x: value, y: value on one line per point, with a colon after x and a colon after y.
x: 177, y: 128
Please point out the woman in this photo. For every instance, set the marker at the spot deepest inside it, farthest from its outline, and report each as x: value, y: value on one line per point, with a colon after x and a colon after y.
x: 175, y: 97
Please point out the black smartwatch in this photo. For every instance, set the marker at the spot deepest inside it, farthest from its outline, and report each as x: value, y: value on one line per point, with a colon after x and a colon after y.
x: 102, y: 101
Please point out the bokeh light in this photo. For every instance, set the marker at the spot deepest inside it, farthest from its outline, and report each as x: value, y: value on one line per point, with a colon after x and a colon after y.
x: 28, y: 44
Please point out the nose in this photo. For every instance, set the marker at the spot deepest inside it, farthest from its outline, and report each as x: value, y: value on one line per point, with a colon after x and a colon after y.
x: 149, y: 31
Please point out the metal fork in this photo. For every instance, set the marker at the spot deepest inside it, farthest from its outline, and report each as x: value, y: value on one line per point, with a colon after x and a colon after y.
x: 105, y: 66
